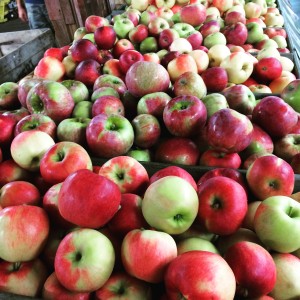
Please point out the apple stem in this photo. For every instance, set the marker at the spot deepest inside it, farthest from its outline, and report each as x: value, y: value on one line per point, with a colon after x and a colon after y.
x: 290, y: 211
x: 16, y: 266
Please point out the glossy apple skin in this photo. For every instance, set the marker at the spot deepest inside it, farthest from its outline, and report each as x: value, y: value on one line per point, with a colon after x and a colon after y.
x: 135, y: 289
x: 62, y: 159
x: 129, y: 216
x: 212, y: 158
x: 269, y: 176
x: 177, y: 150
x: 145, y: 77
x: 261, y: 142
x: 226, y: 172
x: 109, y: 136
x: 108, y: 105
x: 147, y: 130
x: 84, y: 260
x: 24, y: 279
x: 274, y: 116
x: 36, y: 121
x: 226, y: 202
x: 19, y: 192
x: 146, y: 254
x: 128, y: 58
x: 173, y: 171
x: 229, y: 131
x: 11, y: 171
x: 7, y: 124
x: 52, y: 99
x: 128, y: 174
x: 97, y: 209
x: 87, y: 71
x: 184, y: 116
x: 215, y: 79
x: 50, y: 204
x: 52, y: 289
x: 212, y: 271
x: 267, y: 69
x: 25, y: 85
x: 290, y: 94
x: 105, y: 37
x: 236, y: 33
x: 92, y: 22
x: 253, y: 267
x: 25, y: 230
x: 50, y: 68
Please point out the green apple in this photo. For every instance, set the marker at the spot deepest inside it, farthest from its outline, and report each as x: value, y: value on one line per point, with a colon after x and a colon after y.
x: 140, y: 154
x: 291, y: 94
x: 183, y: 29
x: 216, y: 38
x: 84, y: 260
x: 78, y: 90
x: 104, y: 91
x: 149, y: 44
x: 196, y: 243
x: 170, y: 204
x: 287, y: 284
x: 255, y: 33
x: 82, y: 109
x: 73, y: 130
x: 122, y: 27
x: 89, y: 36
x: 277, y: 223
x: 214, y: 102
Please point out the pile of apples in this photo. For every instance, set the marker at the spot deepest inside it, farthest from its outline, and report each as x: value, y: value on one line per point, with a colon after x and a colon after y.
x: 184, y: 83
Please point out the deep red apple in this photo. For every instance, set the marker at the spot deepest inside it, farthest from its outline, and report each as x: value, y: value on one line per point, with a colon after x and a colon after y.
x: 105, y: 37
x: 215, y: 79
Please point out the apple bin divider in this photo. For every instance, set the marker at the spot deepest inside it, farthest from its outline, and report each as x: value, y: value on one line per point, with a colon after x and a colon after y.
x: 195, y: 171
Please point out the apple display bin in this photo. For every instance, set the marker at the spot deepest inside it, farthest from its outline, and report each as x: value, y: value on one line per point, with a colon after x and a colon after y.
x: 195, y: 171
x: 20, y: 52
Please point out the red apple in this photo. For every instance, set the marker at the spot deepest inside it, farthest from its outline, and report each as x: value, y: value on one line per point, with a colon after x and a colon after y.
x: 213, y: 158
x: 173, y: 171
x: 62, y: 159
x: 102, y: 199
x: 147, y: 130
x: 225, y: 172
x: 177, y: 150
x: 253, y: 267
x: 147, y: 253
x: 216, y: 277
x: 109, y: 136
x: 222, y: 206
x: 22, y: 278
x: 120, y: 46
x: 50, y: 68
x: 215, y: 79
x: 87, y: 71
x: 127, y: 173
x: 267, y: 69
x: 92, y: 22
x: 19, y: 192
x: 105, y: 37
x: 229, y: 131
x: 36, y: 122
x: 25, y: 230
x: 108, y: 105
x: 52, y: 289
x: 11, y: 171
x: 128, y: 58
x: 184, y: 116
x: 129, y: 216
x: 145, y: 77
x: 236, y: 33
x: 274, y: 116
x: 269, y: 176
x: 54, y: 52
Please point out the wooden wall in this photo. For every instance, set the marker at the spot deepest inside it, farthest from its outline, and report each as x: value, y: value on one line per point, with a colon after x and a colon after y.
x: 68, y: 15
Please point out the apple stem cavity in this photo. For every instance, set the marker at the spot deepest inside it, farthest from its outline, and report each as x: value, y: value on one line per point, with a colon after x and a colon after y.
x: 78, y: 256
x: 216, y: 204
x: 178, y: 217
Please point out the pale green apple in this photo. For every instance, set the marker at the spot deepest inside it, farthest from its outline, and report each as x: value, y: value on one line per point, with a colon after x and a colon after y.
x: 170, y: 204
x: 277, y: 223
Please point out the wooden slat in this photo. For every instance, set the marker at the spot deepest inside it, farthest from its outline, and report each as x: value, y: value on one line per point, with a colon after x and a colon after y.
x: 68, y: 12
